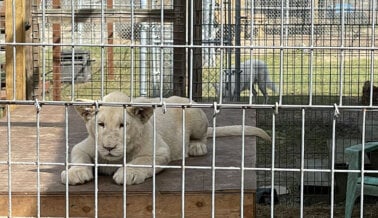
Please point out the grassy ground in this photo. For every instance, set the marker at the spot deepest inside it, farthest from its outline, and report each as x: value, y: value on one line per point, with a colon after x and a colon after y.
x: 321, y: 73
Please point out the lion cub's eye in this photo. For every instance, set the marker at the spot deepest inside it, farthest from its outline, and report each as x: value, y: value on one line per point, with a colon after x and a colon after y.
x: 101, y: 124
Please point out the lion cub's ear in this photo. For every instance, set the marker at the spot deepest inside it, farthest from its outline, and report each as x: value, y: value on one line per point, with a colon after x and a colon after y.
x: 86, y: 112
x: 142, y: 113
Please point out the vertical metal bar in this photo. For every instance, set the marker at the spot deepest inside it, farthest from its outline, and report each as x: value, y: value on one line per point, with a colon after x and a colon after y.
x: 281, y: 78
x: 161, y: 59
x: 333, y: 155
x: 67, y: 162
x: 102, y: 66
x: 372, y: 44
x: 302, y: 161
x: 363, y: 163
x: 154, y: 165
x: 287, y: 8
x: 96, y: 163
x: 221, y: 73
x: 251, y: 66
x: 311, y: 52
x: 191, y: 15
x: 281, y: 51
x: 161, y: 49
x: 38, y: 164
x: 183, y: 164
x: 221, y: 77
x: 73, y: 50
x: 43, y: 56
x: 229, y: 50
x: 213, y: 164
x: 124, y: 161
x: 342, y: 53
x: 273, y: 164
x: 132, y: 48
x: 14, y: 50
x: 242, y: 166
x: 251, y: 52
x: 9, y: 135
x: 237, y: 51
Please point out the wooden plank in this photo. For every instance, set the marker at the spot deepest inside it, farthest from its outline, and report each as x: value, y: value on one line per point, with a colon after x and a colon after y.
x: 137, y: 205
x: 198, y: 182
x: 15, y: 63
x: 52, y: 150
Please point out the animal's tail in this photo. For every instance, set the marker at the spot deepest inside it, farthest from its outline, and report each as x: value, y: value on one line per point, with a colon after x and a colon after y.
x: 236, y: 130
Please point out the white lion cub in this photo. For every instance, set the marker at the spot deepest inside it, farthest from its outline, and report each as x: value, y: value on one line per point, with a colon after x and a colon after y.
x: 139, y: 139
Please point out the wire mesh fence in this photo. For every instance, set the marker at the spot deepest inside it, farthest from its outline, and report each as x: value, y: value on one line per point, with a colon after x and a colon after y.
x: 304, y: 71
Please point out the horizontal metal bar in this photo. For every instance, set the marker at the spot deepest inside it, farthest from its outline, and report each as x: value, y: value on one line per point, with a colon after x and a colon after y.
x: 189, y: 167
x: 192, y: 46
x: 190, y: 105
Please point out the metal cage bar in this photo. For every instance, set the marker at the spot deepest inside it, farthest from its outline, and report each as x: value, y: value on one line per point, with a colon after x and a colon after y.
x: 336, y: 45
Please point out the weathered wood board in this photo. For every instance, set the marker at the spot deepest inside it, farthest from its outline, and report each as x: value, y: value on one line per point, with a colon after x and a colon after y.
x: 24, y: 187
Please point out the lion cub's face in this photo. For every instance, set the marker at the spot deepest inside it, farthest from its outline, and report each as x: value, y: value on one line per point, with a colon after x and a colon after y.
x: 111, y: 124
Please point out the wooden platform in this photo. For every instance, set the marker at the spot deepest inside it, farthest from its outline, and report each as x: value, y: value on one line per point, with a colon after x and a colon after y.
x: 198, y: 184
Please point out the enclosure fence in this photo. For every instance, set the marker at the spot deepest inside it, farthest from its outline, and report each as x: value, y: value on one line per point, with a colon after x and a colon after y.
x: 303, y: 71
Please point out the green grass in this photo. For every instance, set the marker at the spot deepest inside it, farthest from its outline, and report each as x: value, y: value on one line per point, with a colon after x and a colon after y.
x: 324, y: 77
x: 100, y: 80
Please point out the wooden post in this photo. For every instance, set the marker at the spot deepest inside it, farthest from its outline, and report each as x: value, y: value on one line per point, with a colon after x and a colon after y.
x: 36, y: 54
x: 179, y: 58
x: 15, y: 63
x: 197, y: 52
x: 110, y: 49
x: 30, y: 82
x: 56, y: 57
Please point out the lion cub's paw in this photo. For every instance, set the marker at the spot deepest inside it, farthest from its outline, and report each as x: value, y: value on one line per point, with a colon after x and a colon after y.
x: 197, y: 149
x: 77, y: 175
x: 134, y: 176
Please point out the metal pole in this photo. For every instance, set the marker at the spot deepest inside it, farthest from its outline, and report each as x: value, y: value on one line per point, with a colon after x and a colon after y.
x: 237, y: 51
x: 229, y: 50
x: 143, y: 52
x: 208, y: 32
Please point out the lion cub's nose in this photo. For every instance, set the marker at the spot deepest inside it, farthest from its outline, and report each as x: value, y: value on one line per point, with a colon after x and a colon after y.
x: 109, y: 147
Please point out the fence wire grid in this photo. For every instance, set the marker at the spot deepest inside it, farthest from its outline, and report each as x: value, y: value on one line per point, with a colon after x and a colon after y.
x: 303, y: 71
